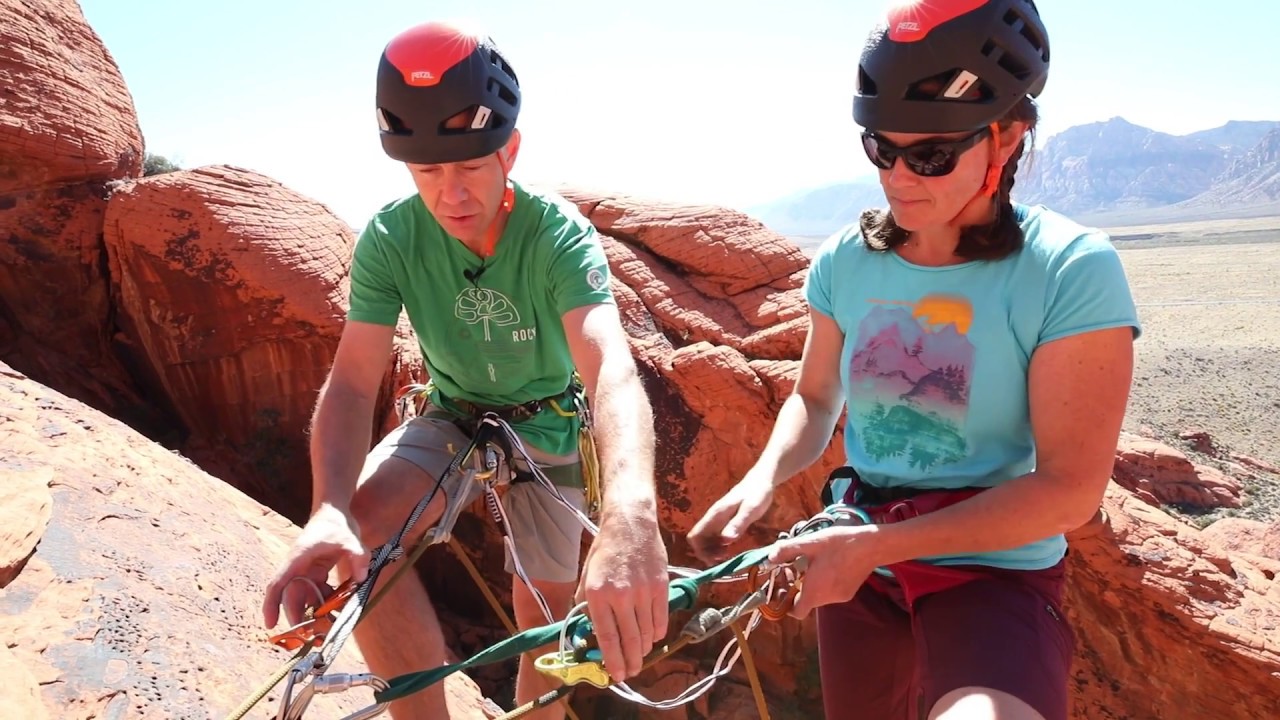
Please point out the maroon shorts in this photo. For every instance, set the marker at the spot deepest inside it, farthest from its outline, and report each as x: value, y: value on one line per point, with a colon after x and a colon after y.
x: 1003, y: 631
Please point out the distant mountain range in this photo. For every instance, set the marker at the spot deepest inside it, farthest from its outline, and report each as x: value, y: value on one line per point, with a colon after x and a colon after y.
x: 1106, y: 173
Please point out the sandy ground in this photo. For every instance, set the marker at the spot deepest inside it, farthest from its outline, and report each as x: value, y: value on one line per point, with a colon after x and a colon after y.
x: 1209, y: 357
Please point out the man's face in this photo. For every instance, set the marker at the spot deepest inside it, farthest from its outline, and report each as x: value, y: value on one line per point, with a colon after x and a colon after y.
x: 464, y: 197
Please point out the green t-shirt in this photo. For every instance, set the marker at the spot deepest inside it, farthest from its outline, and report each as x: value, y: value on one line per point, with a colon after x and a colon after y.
x: 496, y: 337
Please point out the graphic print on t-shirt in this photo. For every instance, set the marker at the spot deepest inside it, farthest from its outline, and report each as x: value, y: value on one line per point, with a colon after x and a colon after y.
x: 486, y: 307
x: 909, y: 380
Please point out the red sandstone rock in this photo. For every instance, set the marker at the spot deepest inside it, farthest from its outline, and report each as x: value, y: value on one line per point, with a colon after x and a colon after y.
x: 142, y: 596
x: 67, y: 130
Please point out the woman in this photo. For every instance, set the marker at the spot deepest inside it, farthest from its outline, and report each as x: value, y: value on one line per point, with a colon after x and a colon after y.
x: 984, y: 352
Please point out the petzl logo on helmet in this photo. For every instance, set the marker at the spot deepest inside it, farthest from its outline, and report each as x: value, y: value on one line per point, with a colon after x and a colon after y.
x: 912, y: 20
x: 421, y: 75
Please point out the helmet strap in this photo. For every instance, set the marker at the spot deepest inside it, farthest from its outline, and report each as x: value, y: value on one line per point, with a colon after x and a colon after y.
x: 991, y: 183
x: 508, y: 203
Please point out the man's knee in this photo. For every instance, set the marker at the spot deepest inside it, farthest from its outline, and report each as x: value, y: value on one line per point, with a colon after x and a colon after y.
x: 384, y: 499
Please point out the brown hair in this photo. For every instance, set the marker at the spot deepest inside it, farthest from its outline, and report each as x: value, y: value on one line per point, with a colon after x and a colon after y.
x: 989, y: 241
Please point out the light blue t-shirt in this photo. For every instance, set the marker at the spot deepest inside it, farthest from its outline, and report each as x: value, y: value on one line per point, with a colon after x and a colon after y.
x: 935, y: 359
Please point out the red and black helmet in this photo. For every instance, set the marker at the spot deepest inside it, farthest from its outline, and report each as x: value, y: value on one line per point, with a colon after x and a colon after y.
x: 432, y: 72
x: 944, y: 66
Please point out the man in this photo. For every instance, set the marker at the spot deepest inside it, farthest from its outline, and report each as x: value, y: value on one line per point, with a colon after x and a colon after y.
x: 508, y: 292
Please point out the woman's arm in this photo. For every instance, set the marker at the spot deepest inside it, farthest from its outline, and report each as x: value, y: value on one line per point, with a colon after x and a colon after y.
x: 808, y: 417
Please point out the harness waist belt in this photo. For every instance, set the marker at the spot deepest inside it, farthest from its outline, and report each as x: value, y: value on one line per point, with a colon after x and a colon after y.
x: 915, y: 578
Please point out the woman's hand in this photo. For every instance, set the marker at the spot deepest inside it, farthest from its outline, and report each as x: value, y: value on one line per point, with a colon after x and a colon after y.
x: 731, y: 515
x: 838, y: 561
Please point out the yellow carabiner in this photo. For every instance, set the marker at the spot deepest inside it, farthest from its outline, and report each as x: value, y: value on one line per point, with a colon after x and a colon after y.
x: 562, y: 665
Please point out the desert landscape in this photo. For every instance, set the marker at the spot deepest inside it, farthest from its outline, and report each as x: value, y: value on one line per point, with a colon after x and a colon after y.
x: 1209, y: 298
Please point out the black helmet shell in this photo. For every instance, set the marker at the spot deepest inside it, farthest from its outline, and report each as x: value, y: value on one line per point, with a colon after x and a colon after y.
x: 432, y: 72
x: 947, y: 66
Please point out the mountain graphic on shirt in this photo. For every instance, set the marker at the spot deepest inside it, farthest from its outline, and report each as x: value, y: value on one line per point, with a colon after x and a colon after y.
x: 909, y: 380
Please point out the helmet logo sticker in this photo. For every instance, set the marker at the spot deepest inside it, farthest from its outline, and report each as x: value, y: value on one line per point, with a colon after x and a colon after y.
x: 960, y: 85
x: 481, y: 120
x: 422, y: 75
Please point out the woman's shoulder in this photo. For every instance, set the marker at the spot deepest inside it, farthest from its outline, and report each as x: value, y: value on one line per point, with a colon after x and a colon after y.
x: 846, y: 240
x: 1053, y: 236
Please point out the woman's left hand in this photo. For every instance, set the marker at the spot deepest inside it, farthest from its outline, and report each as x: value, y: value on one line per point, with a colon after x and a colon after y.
x: 839, y: 560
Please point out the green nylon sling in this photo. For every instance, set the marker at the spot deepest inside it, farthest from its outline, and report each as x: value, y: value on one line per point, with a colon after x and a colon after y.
x: 682, y: 595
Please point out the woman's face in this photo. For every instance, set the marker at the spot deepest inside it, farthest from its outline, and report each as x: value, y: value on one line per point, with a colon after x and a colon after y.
x: 932, y: 178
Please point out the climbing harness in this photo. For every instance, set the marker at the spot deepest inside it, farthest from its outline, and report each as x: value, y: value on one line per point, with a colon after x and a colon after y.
x: 486, y: 462
x: 417, y: 397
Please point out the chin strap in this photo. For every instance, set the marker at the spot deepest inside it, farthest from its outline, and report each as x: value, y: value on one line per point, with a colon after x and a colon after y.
x: 508, y: 203
x: 991, y: 183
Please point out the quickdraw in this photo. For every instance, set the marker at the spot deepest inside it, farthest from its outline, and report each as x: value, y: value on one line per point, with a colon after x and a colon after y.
x: 770, y: 595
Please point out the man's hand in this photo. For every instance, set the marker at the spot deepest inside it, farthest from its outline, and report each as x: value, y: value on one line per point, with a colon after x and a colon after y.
x: 330, y: 539
x: 624, y: 583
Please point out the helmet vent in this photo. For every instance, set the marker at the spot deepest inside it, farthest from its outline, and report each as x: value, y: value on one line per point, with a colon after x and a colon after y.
x: 942, y: 87
x: 462, y: 122
x: 1015, y: 19
x: 496, y: 58
x: 391, y: 123
x: 1008, y: 61
x: 866, y: 86
x: 502, y: 91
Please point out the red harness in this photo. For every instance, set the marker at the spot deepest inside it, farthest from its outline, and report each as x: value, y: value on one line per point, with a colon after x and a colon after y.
x: 914, y: 578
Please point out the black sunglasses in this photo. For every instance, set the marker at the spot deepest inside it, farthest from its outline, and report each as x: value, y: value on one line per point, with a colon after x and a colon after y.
x: 926, y: 159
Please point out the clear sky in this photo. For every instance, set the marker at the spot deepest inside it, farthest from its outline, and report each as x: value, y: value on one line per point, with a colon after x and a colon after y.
x: 728, y: 102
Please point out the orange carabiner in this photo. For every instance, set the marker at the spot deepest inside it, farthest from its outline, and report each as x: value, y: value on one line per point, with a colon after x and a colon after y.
x: 782, y: 596
x: 318, y: 623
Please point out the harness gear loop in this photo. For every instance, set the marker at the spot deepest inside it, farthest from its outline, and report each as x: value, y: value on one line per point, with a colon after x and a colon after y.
x: 417, y: 396
x: 587, y: 454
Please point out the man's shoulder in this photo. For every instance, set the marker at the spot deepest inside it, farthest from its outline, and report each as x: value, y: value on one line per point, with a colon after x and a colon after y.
x: 551, y: 213
x: 400, y: 218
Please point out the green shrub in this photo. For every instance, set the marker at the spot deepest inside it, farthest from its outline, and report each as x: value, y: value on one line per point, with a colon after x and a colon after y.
x: 153, y: 164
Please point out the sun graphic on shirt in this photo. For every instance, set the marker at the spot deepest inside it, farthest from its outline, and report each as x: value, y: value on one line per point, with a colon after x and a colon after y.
x: 935, y: 312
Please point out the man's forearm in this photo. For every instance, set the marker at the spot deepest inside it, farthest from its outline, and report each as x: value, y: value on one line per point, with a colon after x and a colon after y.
x: 623, y: 428
x: 340, y: 436
x: 1026, y: 509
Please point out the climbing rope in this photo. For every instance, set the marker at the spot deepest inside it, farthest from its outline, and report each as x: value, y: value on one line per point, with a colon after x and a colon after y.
x: 575, y: 661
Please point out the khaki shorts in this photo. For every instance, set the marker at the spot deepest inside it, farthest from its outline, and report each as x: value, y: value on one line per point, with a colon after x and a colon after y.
x: 547, y: 536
